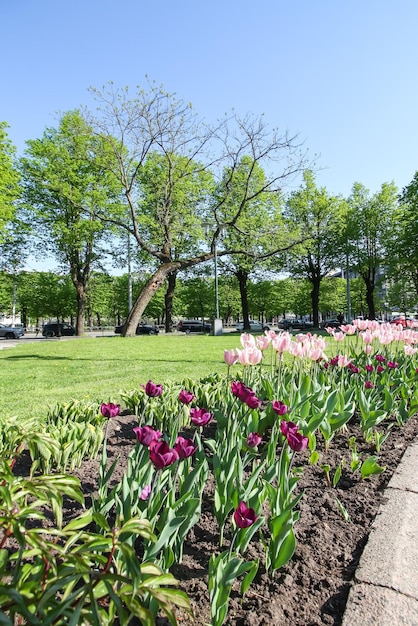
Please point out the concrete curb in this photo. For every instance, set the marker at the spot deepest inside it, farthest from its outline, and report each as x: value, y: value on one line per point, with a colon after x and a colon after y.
x: 385, y: 586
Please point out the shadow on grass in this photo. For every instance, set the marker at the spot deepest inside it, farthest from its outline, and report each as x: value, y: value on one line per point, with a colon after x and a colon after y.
x: 117, y: 359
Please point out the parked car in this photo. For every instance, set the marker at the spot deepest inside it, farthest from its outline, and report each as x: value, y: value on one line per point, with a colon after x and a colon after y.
x: 255, y: 327
x: 11, y: 332
x: 194, y: 326
x: 333, y: 323
x: 53, y: 329
x: 290, y: 324
x: 141, y: 329
x: 406, y: 322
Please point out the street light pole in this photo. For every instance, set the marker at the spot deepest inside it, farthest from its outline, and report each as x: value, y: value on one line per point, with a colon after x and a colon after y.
x: 129, y: 274
x: 215, y: 258
x: 219, y: 228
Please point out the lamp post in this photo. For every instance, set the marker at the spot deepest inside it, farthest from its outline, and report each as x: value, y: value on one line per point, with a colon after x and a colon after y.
x: 219, y: 230
x: 129, y: 274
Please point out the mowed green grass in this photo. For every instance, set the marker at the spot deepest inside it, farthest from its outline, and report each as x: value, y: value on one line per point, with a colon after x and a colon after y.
x: 35, y: 376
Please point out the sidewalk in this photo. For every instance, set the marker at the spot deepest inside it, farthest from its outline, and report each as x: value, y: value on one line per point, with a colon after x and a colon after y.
x: 385, y: 587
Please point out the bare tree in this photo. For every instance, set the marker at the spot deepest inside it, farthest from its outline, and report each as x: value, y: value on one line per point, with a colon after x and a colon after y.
x: 155, y: 122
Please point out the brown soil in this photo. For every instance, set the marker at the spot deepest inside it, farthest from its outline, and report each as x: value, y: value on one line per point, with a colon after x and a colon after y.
x: 312, y: 589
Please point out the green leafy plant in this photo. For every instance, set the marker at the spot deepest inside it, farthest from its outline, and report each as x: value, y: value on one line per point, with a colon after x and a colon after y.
x: 70, y: 574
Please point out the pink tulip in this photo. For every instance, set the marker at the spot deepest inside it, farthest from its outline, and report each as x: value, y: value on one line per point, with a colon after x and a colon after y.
x: 367, y: 337
x: 348, y: 329
x: 281, y: 342
x: 247, y: 340
x: 230, y: 357
x: 339, y: 336
x: 315, y: 353
x: 249, y: 356
x: 263, y: 342
x: 145, y: 493
x: 343, y: 360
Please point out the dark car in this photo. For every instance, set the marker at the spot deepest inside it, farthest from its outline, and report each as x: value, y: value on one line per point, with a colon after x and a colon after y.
x: 285, y: 324
x: 141, y: 329
x: 333, y: 323
x: 53, y: 329
x: 290, y: 324
x: 194, y: 326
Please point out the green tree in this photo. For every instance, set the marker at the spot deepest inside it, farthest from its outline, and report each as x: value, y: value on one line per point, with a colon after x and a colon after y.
x: 155, y: 121
x: 402, y: 242
x: 370, y: 224
x: 320, y: 217
x: 66, y: 184
x: 172, y: 188
x: 9, y: 180
x: 255, y: 226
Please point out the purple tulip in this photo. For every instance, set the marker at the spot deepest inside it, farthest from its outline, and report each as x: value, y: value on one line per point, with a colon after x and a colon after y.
x: 245, y: 394
x: 244, y: 516
x: 253, y: 440
x: 200, y: 417
x: 368, y: 384
x: 392, y: 365
x: 161, y: 455
x: 146, y: 434
x: 110, y: 410
x: 186, y: 397
x: 237, y: 388
x: 279, y: 407
x: 369, y: 368
x: 253, y: 402
x: 380, y: 358
x: 184, y: 447
x: 380, y: 369
x: 152, y: 390
x: 288, y: 427
x: 296, y: 441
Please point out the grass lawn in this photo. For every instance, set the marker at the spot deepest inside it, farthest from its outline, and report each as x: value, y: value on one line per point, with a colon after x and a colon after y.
x: 40, y: 374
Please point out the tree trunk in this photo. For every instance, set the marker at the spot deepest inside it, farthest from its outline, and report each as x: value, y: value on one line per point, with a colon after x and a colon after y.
x: 369, y: 282
x: 154, y: 283
x: 316, y: 283
x: 169, y: 296
x: 81, y: 308
x: 242, y: 277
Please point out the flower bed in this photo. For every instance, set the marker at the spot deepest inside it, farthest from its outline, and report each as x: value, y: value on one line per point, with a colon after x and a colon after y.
x: 240, y: 485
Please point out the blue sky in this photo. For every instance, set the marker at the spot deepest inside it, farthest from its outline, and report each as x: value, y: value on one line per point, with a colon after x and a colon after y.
x: 341, y: 73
